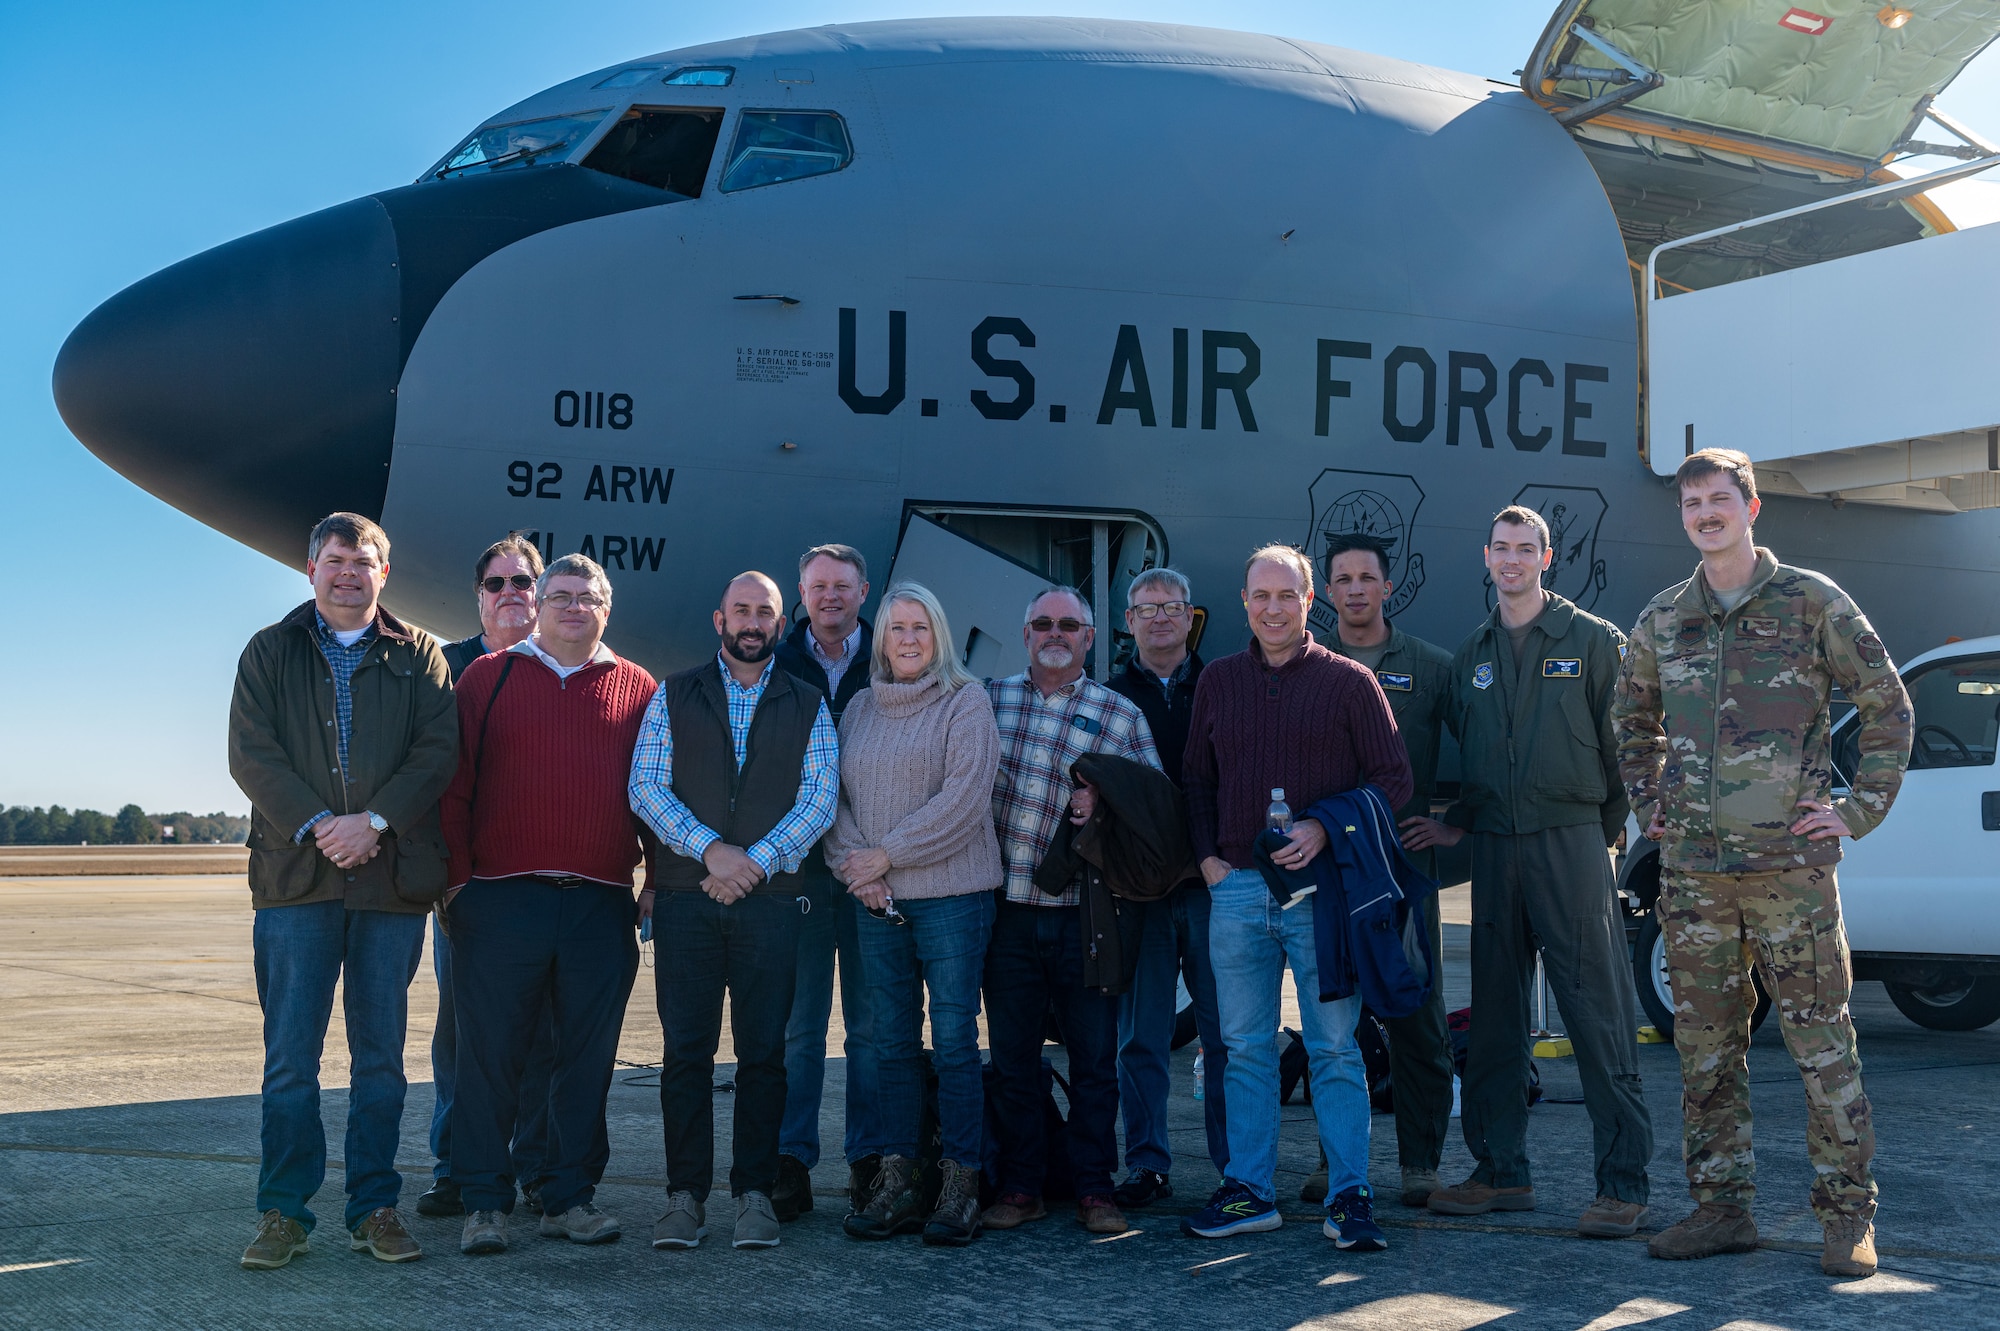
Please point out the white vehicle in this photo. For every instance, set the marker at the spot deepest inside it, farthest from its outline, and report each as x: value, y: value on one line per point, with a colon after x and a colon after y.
x: 1921, y: 893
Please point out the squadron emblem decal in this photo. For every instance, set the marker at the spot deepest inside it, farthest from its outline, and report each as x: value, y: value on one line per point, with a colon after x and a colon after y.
x: 1375, y: 503
x: 1482, y: 675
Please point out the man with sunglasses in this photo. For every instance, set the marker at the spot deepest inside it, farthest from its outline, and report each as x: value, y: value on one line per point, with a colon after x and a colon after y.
x: 503, y: 587
x: 1160, y: 679
x: 1049, y: 716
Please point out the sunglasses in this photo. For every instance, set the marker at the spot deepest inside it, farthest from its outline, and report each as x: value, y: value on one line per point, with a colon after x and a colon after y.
x: 520, y: 582
x: 1044, y: 624
x: 888, y: 913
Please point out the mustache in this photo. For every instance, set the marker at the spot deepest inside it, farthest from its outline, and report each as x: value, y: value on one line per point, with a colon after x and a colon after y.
x: 1054, y: 655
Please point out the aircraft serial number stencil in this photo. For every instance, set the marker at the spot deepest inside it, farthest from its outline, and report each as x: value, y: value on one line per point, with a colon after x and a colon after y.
x: 776, y: 365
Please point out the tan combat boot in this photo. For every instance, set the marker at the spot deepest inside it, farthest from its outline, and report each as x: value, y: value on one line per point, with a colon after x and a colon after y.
x: 1850, y: 1246
x: 1714, y: 1228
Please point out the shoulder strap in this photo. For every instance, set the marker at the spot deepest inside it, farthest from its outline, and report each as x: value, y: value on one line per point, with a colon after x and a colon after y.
x: 479, y: 753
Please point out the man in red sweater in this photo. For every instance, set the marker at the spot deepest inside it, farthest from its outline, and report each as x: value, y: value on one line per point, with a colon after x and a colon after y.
x: 1284, y: 715
x: 542, y: 844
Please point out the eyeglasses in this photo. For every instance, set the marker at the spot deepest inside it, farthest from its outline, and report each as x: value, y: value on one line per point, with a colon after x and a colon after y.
x: 520, y: 583
x: 888, y: 913
x: 563, y: 601
x: 1172, y: 610
x: 1044, y: 624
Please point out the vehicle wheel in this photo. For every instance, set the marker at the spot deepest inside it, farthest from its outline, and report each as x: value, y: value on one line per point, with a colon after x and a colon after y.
x: 1184, y: 1027
x: 1958, y: 1002
x: 1656, y: 994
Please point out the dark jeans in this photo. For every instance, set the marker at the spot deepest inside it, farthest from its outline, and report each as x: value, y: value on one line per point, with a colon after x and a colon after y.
x: 524, y: 947
x: 942, y: 949
x: 1035, y: 964
x: 531, y: 1130
x: 703, y: 950
x: 828, y: 932
x: 1553, y: 889
x: 300, y: 952
x: 1175, y: 943
x: 1420, y: 1066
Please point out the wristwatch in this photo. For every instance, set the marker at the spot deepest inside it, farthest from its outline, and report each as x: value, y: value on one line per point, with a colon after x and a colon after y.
x: 378, y: 822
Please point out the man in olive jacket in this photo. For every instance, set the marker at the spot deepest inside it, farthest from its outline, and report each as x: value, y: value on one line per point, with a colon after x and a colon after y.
x: 343, y: 734
x: 1541, y: 795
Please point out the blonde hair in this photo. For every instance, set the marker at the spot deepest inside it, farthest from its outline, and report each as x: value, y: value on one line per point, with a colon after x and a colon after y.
x: 1285, y: 556
x: 944, y: 655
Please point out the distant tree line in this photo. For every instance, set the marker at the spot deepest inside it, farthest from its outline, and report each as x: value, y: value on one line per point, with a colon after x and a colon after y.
x: 130, y: 826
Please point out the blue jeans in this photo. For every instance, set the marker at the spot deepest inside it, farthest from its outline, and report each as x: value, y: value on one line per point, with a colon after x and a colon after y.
x: 300, y: 952
x: 1175, y: 943
x: 826, y: 931
x: 1250, y: 940
x: 942, y: 948
x: 1035, y: 963
x: 531, y: 1132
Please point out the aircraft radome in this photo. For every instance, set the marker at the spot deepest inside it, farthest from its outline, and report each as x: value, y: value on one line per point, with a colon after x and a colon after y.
x: 1002, y: 301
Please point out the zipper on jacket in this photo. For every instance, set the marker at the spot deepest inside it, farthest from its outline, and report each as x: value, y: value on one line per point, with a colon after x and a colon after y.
x: 1715, y: 732
x: 341, y: 768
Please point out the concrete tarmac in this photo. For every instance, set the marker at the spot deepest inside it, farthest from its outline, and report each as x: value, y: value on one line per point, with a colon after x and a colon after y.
x: 129, y: 1064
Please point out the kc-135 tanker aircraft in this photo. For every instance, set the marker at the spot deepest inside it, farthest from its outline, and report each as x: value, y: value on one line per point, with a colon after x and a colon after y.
x: 1006, y: 301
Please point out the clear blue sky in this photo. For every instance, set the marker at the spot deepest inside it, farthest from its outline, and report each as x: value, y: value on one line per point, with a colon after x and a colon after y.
x: 142, y: 133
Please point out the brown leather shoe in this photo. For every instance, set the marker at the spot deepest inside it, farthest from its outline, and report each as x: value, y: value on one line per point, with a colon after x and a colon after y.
x: 1609, y: 1218
x: 1013, y: 1210
x: 1100, y: 1215
x: 1850, y: 1246
x: 1475, y: 1198
x: 383, y: 1236
x: 1714, y: 1228
x: 279, y: 1239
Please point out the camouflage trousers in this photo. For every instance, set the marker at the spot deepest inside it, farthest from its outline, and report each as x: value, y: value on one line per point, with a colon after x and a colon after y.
x: 1787, y: 926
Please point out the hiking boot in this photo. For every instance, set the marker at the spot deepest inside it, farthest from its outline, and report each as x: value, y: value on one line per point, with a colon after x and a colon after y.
x: 1475, y: 1198
x: 1715, y: 1227
x: 955, y: 1223
x: 1314, y: 1188
x: 793, y: 1195
x: 279, y: 1239
x: 582, y: 1223
x: 483, y: 1231
x: 684, y: 1224
x: 384, y: 1237
x: 1350, y: 1222
x: 756, y: 1222
x: 442, y: 1199
x: 1609, y: 1218
x: 1100, y: 1215
x: 860, y: 1175
x: 1418, y: 1185
x: 1013, y: 1210
x: 1233, y: 1209
x: 1142, y: 1189
x: 1850, y: 1246
x: 893, y: 1206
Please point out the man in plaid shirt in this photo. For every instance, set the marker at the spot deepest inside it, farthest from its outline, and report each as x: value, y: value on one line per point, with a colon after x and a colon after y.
x: 1048, y: 718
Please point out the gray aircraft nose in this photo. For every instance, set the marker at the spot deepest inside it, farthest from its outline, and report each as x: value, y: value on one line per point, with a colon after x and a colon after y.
x: 253, y: 387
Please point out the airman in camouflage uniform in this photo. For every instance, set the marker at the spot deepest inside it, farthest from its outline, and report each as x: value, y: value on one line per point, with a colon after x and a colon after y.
x: 1723, y: 728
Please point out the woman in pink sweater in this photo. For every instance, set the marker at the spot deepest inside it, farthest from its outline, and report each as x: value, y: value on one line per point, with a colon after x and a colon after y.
x: 914, y: 842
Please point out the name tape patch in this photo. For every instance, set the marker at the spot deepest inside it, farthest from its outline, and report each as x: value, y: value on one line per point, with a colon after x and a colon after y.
x: 1482, y: 675
x: 1560, y: 668
x: 1395, y: 682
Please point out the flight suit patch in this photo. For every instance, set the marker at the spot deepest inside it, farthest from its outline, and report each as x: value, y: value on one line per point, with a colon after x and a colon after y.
x: 1482, y: 676
x: 1760, y: 628
x: 1872, y: 651
x: 1557, y: 668
x: 1397, y: 683
x: 1692, y: 632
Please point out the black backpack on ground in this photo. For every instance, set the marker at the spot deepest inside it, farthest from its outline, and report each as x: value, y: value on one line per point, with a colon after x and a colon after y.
x: 1370, y: 1035
x: 1059, y: 1177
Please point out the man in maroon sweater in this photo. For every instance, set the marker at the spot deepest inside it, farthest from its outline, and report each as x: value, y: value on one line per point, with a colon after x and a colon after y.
x: 1284, y: 715
x: 542, y: 844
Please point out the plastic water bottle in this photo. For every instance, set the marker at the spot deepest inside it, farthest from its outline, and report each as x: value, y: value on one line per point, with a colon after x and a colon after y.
x: 1199, y: 1073
x: 1279, y: 816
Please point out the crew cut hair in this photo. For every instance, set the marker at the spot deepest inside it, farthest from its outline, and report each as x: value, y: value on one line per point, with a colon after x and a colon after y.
x: 511, y: 544
x: 846, y: 554
x: 1521, y: 516
x: 350, y: 529
x: 1725, y: 461
x: 1172, y: 579
x: 1089, y: 618
x: 945, y: 666
x: 1289, y: 556
x: 576, y: 566
x: 1350, y: 541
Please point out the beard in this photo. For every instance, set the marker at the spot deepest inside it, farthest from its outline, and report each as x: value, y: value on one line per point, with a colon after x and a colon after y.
x: 1055, y: 656
x: 750, y: 646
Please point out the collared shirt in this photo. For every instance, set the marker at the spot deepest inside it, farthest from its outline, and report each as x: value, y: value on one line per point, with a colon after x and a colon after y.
x: 1040, y: 737
x: 1172, y: 681
x: 342, y: 660
x: 532, y: 646
x: 782, y: 848
x: 835, y: 666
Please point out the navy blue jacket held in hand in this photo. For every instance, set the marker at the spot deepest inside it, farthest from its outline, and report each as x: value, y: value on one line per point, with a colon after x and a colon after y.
x: 1367, y: 934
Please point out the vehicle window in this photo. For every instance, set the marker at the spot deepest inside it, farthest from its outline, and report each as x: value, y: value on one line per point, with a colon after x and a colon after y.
x: 702, y: 76
x: 530, y: 143
x: 629, y: 78
x: 668, y: 150
x: 1957, y: 706
x: 773, y: 146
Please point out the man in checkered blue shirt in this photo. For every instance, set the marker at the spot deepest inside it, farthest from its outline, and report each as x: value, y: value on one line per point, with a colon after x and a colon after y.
x: 1048, y: 718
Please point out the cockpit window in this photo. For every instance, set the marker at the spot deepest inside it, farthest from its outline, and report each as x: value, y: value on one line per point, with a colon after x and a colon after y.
x: 667, y: 149
x: 629, y: 78
x: 530, y: 143
x: 772, y: 146
x: 701, y: 76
